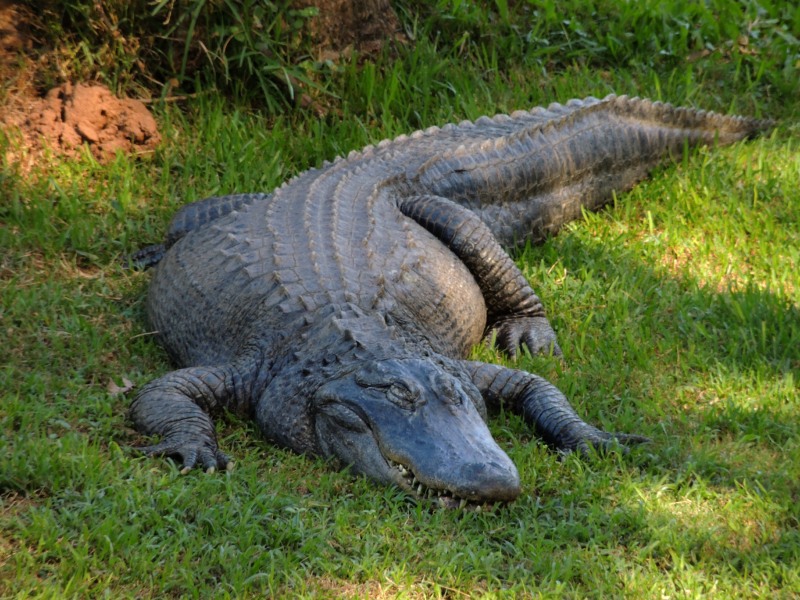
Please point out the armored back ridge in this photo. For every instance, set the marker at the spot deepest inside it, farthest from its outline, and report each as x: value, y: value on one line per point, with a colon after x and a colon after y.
x: 338, y: 310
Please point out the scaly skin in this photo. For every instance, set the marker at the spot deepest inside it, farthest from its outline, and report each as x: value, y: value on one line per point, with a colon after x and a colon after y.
x: 338, y: 311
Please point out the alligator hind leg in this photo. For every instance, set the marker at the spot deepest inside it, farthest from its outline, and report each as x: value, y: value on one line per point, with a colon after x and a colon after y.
x: 177, y: 406
x: 544, y: 406
x: 190, y: 217
x: 202, y: 212
x: 515, y: 311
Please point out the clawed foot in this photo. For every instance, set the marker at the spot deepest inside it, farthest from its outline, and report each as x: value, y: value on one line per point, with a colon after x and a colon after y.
x: 534, y: 332
x: 603, y: 442
x: 192, y: 453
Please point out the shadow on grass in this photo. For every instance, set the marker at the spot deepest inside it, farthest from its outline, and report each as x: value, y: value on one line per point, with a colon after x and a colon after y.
x: 721, y: 366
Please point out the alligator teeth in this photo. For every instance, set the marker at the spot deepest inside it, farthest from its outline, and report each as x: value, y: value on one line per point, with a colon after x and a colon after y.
x: 444, y: 498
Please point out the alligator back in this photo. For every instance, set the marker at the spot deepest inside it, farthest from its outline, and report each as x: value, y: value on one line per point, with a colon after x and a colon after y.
x: 335, y: 235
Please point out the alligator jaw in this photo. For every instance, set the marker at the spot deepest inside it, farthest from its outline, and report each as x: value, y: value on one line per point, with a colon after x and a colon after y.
x: 440, y: 498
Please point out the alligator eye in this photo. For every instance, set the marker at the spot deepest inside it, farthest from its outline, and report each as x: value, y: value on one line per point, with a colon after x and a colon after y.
x: 344, y: 417
x: 447, y: 390
x: 402, y: 395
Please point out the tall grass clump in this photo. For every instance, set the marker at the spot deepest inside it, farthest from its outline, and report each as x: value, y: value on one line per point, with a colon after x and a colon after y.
x: 255, y: 49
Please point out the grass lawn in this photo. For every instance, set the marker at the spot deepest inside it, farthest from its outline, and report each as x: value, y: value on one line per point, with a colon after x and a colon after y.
x: 678, y: 310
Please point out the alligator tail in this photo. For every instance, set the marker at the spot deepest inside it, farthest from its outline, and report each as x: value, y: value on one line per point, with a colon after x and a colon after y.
x: 529, y: 173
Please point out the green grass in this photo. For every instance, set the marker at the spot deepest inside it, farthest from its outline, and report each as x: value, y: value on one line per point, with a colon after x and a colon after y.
x: 678, y: 310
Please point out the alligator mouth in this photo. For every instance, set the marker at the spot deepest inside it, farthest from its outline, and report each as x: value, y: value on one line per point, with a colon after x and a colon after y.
x: 441, y: 498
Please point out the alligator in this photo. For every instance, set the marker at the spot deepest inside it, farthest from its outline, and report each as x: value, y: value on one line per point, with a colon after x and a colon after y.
x: 339, y: 310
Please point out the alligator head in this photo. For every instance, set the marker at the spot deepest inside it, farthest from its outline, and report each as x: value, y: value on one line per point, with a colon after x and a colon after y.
x: 410, y: 423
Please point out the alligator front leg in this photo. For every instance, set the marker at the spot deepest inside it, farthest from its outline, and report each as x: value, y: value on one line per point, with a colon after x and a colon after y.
x: 177, y: 406
x: 515, y: 311
x: 544, y: 406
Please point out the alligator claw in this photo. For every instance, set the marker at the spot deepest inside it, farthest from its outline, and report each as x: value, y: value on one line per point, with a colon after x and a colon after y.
x: 604, y: 442
x: 192, y: 454
x: 533, y: 332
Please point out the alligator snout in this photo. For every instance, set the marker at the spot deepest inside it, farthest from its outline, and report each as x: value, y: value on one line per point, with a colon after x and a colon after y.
x: 410, y: 423
x: 492, y: 481
x: 468, y: 484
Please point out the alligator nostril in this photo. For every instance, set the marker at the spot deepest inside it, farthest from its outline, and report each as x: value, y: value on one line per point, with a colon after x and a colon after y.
x: 491, y: 480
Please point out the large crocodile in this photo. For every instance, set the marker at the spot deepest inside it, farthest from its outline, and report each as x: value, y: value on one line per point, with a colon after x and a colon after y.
x: 338, y: 310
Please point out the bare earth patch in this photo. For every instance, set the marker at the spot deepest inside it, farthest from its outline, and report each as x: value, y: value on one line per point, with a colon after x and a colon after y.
x: 69, y: 117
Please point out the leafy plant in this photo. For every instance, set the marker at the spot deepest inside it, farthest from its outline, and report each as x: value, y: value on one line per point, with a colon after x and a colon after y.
x: 241, y: 44
x: 255, y: 48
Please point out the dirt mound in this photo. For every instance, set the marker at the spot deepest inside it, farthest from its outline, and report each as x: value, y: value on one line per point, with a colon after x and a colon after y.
x: 67, y: 117
x: 70, y: 116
